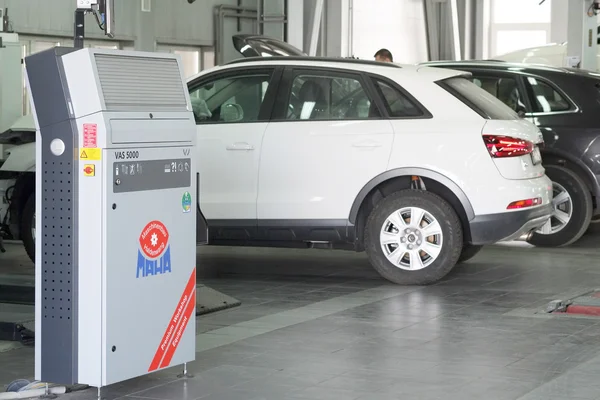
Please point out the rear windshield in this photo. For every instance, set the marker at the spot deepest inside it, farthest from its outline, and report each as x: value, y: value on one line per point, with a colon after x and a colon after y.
x: 478, y: 99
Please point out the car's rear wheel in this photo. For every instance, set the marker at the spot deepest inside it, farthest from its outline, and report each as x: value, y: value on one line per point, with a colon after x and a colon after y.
x: 572, y: 202
x: 469, y: 251
x: 594, y: 227
x: 413, y: 237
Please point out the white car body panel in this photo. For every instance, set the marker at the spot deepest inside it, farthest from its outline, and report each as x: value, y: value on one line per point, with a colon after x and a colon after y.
x: 25, y: 123
x: 228, y: 161
x: 315, y: 169
x: 464, y: 160
x: 522, y: 167
x: 21, y: 158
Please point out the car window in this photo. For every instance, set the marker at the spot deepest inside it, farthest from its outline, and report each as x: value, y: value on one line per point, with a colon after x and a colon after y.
x: 397, y: 103
x: 505, y: 89
x: 545, y: 98
x: 316, y: 97
x: 478, y: 99
x: 232, y: 99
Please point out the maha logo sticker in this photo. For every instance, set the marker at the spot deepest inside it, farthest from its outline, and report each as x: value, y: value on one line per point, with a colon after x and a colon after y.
x: 154, y: 253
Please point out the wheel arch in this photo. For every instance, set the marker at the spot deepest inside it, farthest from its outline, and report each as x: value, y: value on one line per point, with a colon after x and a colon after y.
x: 400, y: 178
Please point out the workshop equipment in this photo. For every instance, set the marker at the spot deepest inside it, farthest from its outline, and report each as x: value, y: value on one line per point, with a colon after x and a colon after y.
x: 116, y: 206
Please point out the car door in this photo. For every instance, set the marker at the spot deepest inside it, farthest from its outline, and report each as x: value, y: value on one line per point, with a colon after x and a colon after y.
x: 326, y: 140
x: 232, y: 111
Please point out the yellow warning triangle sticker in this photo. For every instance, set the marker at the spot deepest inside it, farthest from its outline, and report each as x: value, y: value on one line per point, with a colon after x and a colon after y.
x: 83, y: 154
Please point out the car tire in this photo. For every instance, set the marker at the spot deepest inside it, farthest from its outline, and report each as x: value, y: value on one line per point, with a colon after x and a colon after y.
x: 594, y: 227
x: 27, y: 227
x: 578, y: 209
x: 388, y: 223
x: 469, y: 251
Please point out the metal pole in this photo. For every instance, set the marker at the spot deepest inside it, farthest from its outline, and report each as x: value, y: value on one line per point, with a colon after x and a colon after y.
x: 259, y: 16
x: 350, y: 28
x: 239, y: 21
x: 455, y: 30
x: 79, y: 29
x: 469, y: 28
x: 431, y: 13
x: 316, y: 25
x: 286, y: 23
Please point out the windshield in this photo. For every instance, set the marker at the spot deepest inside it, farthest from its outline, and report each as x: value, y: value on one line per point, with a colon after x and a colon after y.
x: 478, y: 99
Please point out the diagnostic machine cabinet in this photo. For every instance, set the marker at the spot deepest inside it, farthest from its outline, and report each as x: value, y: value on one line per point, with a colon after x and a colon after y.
x: 116, y: 215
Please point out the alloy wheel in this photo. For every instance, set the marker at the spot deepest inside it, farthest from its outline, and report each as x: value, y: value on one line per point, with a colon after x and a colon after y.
x: 563, y: 210
x: 411, y: 238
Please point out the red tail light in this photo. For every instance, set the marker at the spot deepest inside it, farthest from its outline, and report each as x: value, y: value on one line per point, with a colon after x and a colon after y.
x: 525, y: 203
x: 506, y: 146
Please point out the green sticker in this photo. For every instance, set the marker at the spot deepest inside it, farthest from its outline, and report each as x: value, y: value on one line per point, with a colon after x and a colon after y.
x: 186, y: 202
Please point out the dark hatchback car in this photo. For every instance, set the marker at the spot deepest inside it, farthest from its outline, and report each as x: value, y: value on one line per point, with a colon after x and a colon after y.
x: 565, y: 104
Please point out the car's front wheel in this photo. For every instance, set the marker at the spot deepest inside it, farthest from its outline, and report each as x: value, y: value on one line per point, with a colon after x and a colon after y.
x: 28, y: 227
x: 413, y: 237
x: 572, y: 202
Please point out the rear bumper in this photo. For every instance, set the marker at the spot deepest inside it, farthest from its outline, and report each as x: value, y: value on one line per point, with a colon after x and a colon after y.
x: 502, y: 227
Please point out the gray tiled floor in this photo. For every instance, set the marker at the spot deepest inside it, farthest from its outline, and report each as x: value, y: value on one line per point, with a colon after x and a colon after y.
x: 323, y: 325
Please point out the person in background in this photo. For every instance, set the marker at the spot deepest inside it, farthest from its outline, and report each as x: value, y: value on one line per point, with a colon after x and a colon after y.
x: 384, y: 55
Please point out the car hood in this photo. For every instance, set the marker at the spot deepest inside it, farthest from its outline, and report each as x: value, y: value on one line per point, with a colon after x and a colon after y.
x: 543, y: 55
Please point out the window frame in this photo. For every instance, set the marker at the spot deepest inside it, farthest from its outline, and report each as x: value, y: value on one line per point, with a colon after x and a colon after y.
x: 476, y: 108
x: 425, y: 114
x: 503, y: 74
x: 268, y: 103
x: 573, y: 107
x: 287, y: 81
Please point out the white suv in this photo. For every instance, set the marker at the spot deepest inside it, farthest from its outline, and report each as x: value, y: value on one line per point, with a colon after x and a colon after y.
x: 416, y: 165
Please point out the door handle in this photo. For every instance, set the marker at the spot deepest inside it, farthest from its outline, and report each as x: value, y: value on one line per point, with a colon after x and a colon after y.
x: 366, y: 144
x: 240, y: 146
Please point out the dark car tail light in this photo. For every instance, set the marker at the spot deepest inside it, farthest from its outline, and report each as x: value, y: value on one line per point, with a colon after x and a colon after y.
x: 506, y: 146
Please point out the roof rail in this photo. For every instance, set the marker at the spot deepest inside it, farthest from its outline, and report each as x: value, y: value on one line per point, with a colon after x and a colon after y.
x: 491, y: 61
x: 308, y: 58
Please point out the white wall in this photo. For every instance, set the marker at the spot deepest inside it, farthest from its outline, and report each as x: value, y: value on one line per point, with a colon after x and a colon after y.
x: 398, y: 25
x: 558, y: 24
x: 519, y: 24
